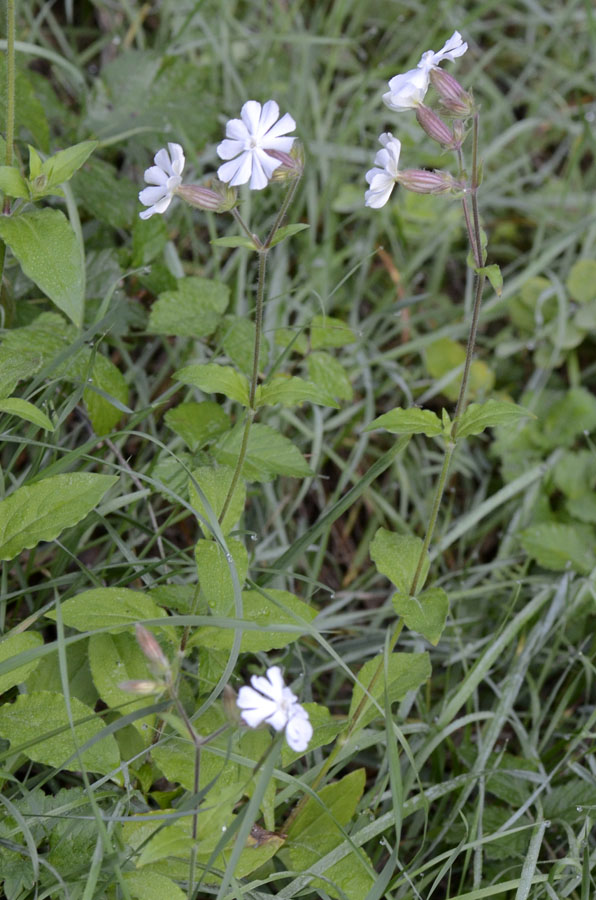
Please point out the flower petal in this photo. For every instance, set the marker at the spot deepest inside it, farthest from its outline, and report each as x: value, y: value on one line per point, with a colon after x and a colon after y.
x: 228, y: 149
x: 155, y: 175
x: 452, y: 48
x: 251, y: 114
x: 177, y: 157
x: 162, y: 159
x: 285, y: 124
x: 272, y: 685
x: 150, y: 195
x: 269, y: 116
x: 237, y: 130
x: 299, y: 730
x: 237, y: 171
x: 278, y: 719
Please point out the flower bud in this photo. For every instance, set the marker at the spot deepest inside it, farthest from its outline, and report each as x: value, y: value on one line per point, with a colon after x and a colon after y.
x: 421, y: 181
x: 292, y: 164
x: 152, y: 650
x: 434, y: 126
x: 218, y: 198
x: 453, y: 97
x: 138, y: 686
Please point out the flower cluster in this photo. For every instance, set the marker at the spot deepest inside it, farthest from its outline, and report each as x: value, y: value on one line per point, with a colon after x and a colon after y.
x: 407, y: 91
x: 256, y: 147
x: 270, y: 701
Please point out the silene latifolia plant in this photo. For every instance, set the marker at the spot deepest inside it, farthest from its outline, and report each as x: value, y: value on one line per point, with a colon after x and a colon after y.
x: 259, y: 152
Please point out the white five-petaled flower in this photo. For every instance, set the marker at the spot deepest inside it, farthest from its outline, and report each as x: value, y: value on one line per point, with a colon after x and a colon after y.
x: 247, y: 141
x: 383, y: 177
x: 269, y: 700
x: 408, y: 90
x: 163, y: 178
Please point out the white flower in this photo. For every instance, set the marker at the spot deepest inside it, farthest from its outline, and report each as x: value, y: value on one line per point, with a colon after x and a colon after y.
x: 247, y: 141
x: 382, y: 180
x: 408, y: 90
x: 269, y: 700
x: 164, y: 177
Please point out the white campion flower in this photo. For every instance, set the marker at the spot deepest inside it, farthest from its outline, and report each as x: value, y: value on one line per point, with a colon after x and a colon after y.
x: 164, y: 177
x: 407, y: 91
x: 269, y: 700
x: 382, y: 179
x: 248, y: 141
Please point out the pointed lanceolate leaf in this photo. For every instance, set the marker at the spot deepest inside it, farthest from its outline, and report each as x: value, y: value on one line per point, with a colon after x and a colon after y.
x: 406, y: 672
x: 268, y: 454
x: 214, y: 379
x: 292, y: 392
x: 234, y: 241
x: 46, y: 247
x: 408, y: 421
x: 287, y: 231
x: 396, y: 556
x: 41, y: 511
x: 14, y: 406
x: 426, y: 613
x: 479, y: 416
x: 62, y: 165
x: 494, y: 275
x: 12, y: 183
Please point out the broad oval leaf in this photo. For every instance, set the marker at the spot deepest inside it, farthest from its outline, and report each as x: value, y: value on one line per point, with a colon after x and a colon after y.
x: 27, y: 411
x: 425, y: 613
x: 41, y: 511
x: 116, y: 608
x: 10, y: 649
x: 49, y: 254
x: 12, y: 183
x: 406, y: 672
x: 214, y: 379
x: 41, y: 722
x: 397, y: 556
x: 215, y: 484
x: 408, y: 421
x: 292, y: 392
x: 268, y: 454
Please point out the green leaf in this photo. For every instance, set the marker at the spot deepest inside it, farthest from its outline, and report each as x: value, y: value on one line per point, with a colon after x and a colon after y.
x: 10, y: 648
x: 215, y: 484
x: 108, y: 378
x: 272, y: 609
x: 234, y: 241
x: 25, y: 410
x: 100, y: 191
x: 494, y: 275
x: 214, y: 379
x: 214, y: 573
x: 197, y: 423
x: 150, y: 885
x: 29, y: 112
x: 47, y: 676
x: 194, y: 309
x: 46, y: 247
x: 35, y: 163
x: 318, y: 829
x: 116, y: 608
x: 327, y: 331
x: 149, y: 239
x: 329, y: 374
x: 12, y: 183
x: 60, y: 167
x: 292, y: 392
x: 238, y: 342
x: 406, y: 672
x: 571, y: 414
x: 581, y: 282
x: 408, y: 421
x: 268, y: 454
x: 425, y: 613
x: 556, y: 546
x: 41, y: 511
x: 396, y: 556
x: 292, y: 337
x: 479, y: 416
x: 115, y: 658
x: 287, y: 231
x: 32, y: 718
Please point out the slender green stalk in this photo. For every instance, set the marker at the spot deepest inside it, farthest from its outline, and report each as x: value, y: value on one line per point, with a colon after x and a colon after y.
x: 10, y: 107
x: 263, y: 250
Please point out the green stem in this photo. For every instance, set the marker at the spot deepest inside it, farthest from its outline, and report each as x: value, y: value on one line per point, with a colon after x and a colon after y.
x: 282, y: 213
x: 245, y: 228
x: 10, y: 80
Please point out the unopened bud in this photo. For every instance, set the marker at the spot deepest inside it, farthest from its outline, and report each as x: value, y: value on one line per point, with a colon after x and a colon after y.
x: 421, y: 181
x: 217, y: 198
x: 453, y: 97
x: 229, y: 704
x: 292, y: 164
x: 138, y: 686
x: 148, y: 644
x: 435, y: 127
